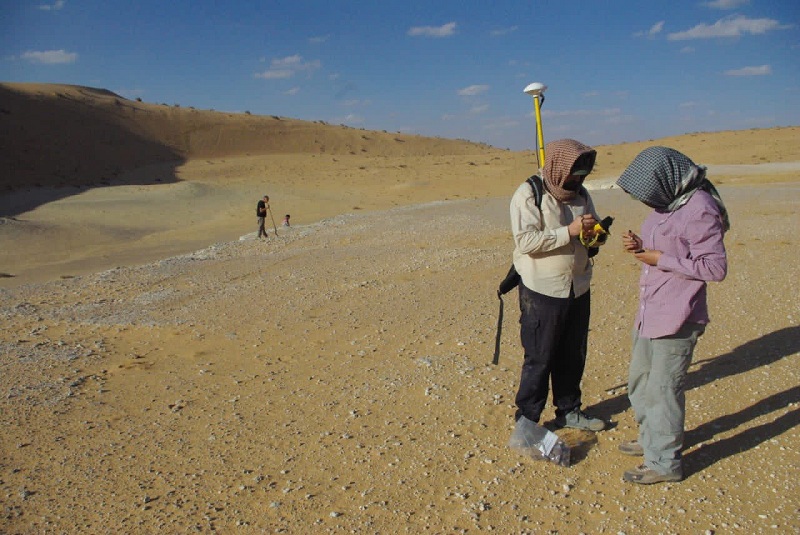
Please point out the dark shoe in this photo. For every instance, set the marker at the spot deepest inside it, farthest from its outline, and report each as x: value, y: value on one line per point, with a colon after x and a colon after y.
x: 578, y: 419
x: 631, y: 448
x: 647, y: 476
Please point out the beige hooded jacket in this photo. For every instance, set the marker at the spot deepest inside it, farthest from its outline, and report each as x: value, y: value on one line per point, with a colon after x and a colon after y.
x: 547, y: 259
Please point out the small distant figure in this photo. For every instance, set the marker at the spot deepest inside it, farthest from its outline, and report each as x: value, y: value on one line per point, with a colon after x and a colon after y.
x: 261, y: 213
x: 286, y: 220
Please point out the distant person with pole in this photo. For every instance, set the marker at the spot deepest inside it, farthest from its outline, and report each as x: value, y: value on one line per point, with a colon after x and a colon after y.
x: 272, y: 217
x: 680, y: 249
x: 261, y: 213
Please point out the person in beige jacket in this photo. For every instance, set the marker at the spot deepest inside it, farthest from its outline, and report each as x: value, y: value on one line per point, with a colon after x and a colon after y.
x: 555, y: 272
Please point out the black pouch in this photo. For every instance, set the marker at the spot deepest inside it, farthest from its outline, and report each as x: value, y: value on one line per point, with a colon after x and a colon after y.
x: 511, y: 281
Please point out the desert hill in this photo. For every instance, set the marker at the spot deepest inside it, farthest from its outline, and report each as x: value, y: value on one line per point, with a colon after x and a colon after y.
x: 58, y: 135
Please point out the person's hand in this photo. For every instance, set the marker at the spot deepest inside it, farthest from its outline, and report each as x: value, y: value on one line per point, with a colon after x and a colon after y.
x: 631, y: 242
x: 585, y: 223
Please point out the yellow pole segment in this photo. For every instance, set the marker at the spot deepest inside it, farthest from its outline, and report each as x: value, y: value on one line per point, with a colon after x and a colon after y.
x: 539, y: 132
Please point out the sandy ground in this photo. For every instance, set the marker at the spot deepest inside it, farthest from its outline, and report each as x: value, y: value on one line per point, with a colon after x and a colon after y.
x: 158, y: 374
x: 337, y: 379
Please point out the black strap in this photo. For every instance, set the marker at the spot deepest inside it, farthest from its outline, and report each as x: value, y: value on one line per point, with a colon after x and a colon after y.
x: 535, y: 182
x: 496, y: 358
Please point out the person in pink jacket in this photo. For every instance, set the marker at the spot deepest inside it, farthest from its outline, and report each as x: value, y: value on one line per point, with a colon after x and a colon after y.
x: 680, y: 249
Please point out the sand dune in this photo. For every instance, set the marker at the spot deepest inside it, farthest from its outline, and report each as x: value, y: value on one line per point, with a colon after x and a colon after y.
x: 161, y: 375
x: 59, y: 135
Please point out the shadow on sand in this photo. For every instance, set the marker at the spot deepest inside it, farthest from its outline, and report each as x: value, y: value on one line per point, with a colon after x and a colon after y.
x: 60, y: 145
x: 747, y: 357
x: 705, y: 456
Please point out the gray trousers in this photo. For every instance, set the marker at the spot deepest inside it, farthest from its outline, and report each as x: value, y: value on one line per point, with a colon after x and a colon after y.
x: 656, y: 383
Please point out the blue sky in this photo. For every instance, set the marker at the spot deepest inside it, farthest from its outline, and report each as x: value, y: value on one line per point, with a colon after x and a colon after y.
x: 616, y: 70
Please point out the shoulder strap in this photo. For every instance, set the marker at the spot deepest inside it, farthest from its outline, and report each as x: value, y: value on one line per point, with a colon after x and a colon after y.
x: 536, y: 185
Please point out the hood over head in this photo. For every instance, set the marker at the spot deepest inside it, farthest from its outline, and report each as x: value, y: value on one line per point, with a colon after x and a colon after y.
x: 654, y: 176
x: 562, y: 158
x: 665, y: 179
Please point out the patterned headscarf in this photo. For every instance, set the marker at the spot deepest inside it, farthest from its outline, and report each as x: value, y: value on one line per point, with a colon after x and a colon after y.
x: 666, y: 179
x: 561, y: 155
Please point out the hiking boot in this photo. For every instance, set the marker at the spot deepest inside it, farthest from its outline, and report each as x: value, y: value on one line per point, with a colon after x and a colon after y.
x: 632, y: 448
x: 577, y: 419
x: 647, y: 476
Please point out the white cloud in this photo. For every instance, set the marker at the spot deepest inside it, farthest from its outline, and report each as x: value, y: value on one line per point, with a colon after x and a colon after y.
x: 50, y: 57
x: 473, y: 90
x: 504, y: 31
x: 475, y: 110
x: 760, y: 70
x: 352, y: 119
x: 501, y: 124
x: 687, y: 50
x: 59, y: 4
x: 318, y: 39
x: 287, y: 67
x: 275, y: 74
x: 733, y: 26
x: 295, y: 63
x: 292, y: 92
x: 446, y: 30
x: 654, y: 30
x: 287, y: 62
x: 726, y: 4
x: 620, y: 119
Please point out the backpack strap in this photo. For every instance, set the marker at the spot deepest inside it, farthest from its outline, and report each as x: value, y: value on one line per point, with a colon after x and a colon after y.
x: 538, y: 189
